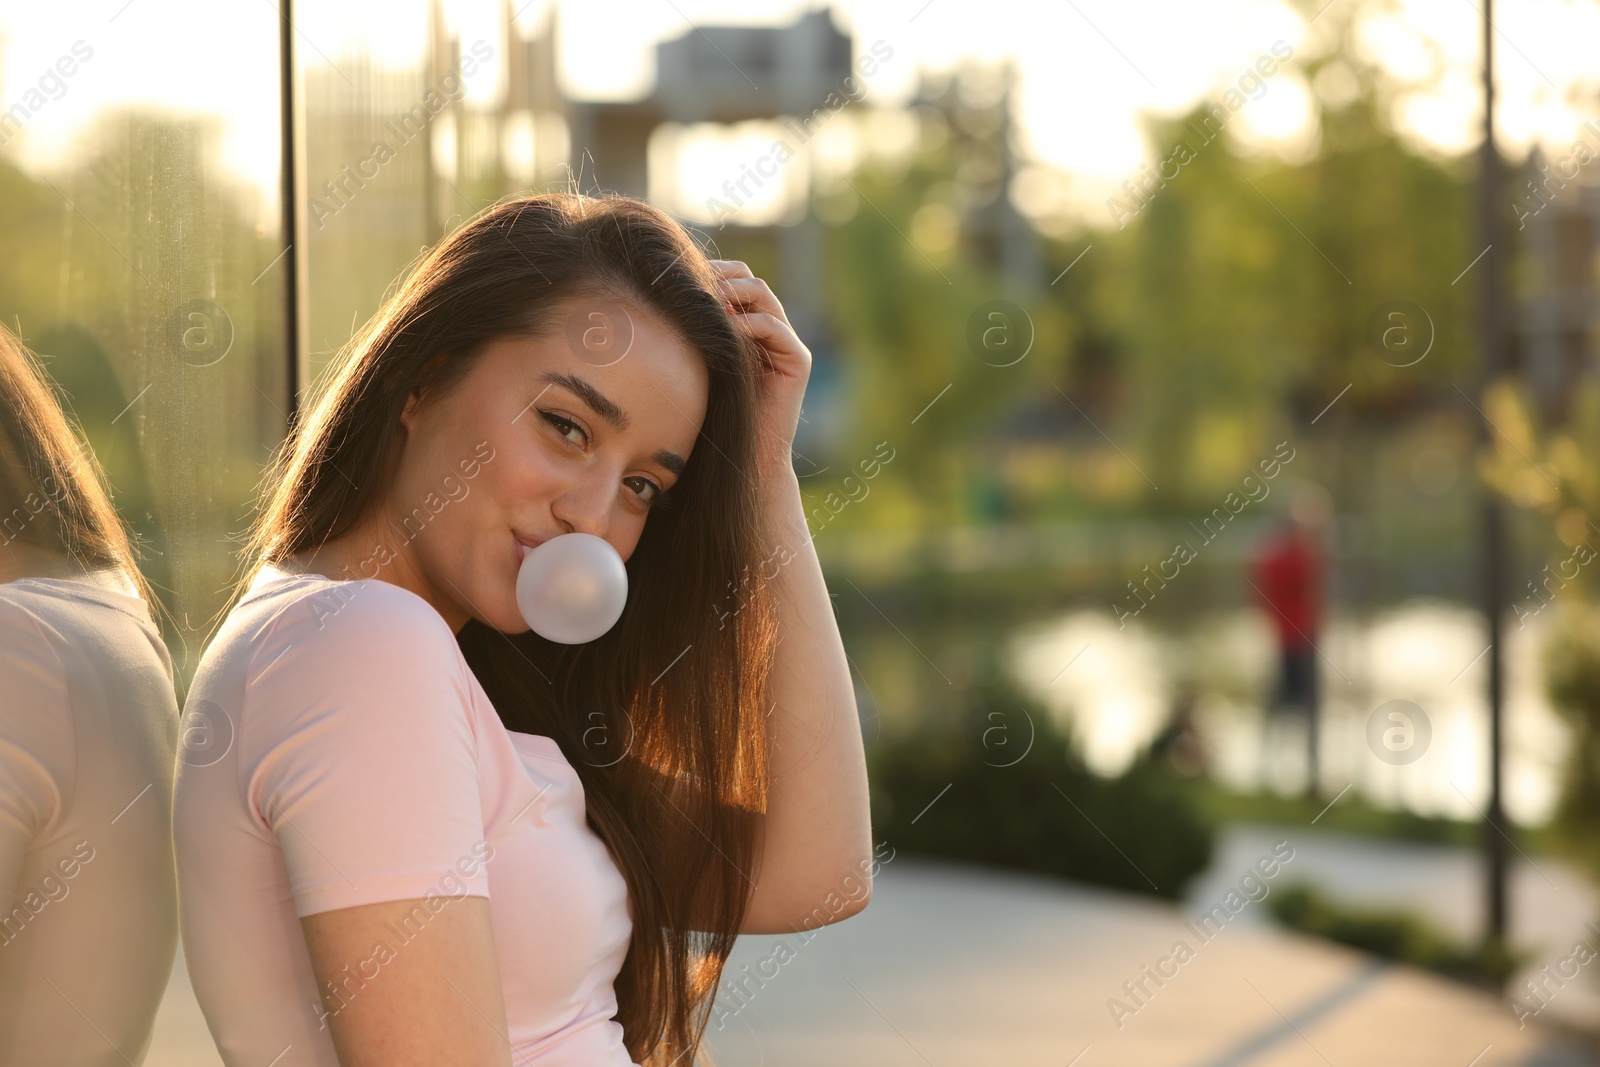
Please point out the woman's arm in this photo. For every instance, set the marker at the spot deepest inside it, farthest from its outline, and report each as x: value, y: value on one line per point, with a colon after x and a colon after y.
x: 432, y: 1001
x: 814, y: 866
x: 361, y: 760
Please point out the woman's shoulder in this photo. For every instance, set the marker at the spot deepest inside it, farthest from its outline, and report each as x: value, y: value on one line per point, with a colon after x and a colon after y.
x: 15, y: 609
x: 343, y: 617
x: 297, y: 642
x: 36, y: 716
x: 26, y: 636
x: 360, y: 671
x: 355, y: 649
x: 86, y: 617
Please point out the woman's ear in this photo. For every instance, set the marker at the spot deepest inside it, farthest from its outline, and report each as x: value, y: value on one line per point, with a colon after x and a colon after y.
x: 408, y: 413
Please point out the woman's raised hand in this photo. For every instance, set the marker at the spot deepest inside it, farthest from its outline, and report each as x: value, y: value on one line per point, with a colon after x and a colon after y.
x: 787, y: 361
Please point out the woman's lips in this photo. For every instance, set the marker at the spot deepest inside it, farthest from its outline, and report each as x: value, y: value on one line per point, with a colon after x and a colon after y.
x: 523, y: 544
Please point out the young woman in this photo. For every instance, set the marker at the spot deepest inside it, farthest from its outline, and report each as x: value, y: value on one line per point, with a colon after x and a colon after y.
x: 425, y: 835
x: 88, y: 734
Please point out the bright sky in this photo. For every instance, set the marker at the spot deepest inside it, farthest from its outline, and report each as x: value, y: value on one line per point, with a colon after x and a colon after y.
x: 1089, y: 68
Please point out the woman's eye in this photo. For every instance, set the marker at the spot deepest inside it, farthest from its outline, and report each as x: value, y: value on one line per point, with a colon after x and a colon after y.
x: 652, y: 490
x: 562, y: 425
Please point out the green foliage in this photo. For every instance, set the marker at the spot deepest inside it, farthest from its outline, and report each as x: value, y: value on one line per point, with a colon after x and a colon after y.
x: 1040, y: 811
x: 1572, y: 681
x: 1241, y: 292
x: 1215, y: 321
x: 1395, y: 934
x: 1547, y: 467
x: 1350, y: 815
x: 902, y: 308
x: 110, y: 250
x: 1543, y: 461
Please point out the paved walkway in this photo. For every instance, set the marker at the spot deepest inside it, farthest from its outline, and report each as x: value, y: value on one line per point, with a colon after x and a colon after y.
x: 962, y: 966
x: 953, y: 965
x: 1551, y: 905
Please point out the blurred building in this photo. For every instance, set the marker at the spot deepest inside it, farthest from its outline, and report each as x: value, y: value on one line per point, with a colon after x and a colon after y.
x: 727, y: 75
x: 450, y: 157
x: 369, y: 216
x: 975, y: 105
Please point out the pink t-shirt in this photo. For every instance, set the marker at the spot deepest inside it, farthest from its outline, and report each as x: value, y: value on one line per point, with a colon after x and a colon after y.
x: 338, y: 751
x: 88, y: 909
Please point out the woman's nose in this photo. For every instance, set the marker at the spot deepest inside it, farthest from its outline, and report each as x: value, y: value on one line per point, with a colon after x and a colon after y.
x: 585, y: 505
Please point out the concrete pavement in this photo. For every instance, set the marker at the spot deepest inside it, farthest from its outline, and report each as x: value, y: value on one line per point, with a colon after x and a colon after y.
x: 1551, y: 904
x: 952, y: 965
x: 957, y: 965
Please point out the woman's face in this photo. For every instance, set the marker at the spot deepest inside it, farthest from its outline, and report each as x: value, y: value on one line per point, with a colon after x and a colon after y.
x: 576, y: 431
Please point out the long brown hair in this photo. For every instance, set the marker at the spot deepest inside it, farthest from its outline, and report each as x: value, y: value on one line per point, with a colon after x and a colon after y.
x: 663, y: 717
x: 53, y: 491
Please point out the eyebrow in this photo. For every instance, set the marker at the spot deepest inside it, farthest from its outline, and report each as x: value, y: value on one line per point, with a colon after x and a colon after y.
x: 603, y: 406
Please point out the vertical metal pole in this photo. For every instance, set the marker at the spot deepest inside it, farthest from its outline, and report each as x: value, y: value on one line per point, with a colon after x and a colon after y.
x: 1494, y: 536
x: 289, y: 185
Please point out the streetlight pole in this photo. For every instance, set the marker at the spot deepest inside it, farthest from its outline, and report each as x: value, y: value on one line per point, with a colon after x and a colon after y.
x: 1495, y: 841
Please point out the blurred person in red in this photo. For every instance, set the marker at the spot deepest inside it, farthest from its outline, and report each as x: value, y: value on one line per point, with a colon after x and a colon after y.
x: 1288, y: 582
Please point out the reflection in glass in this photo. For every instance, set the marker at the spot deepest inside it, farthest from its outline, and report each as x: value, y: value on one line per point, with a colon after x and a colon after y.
x: 88, y: 734
x: 143, y: 263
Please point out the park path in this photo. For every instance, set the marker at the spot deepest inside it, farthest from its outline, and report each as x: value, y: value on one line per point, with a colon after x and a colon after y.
x: 955, y: 965
x: 959, y: 966
x: 1551, y: 904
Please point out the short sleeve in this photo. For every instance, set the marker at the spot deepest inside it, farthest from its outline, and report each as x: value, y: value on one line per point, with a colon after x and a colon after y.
x: 358, y: 752
x: 35, y: 740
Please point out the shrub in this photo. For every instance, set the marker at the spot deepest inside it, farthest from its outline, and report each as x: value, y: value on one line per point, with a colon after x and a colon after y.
x: 1572, y: 681
x: 1044, y: 811
x: 1395, y: 934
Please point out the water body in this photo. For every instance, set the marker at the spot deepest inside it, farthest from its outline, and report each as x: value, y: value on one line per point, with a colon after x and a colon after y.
x: 1121, y: 683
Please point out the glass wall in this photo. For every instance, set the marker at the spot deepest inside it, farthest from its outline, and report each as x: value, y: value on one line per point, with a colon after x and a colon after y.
x: 143, y: 260
x: 139, y: 220
x: 417, y: 116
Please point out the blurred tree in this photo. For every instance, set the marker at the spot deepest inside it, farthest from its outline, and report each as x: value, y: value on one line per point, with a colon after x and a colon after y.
x: 131, y: 270
x: 907, y: 302
x: 1244, y: 286
x: 1552, y: 472
x: 1230, y: 306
